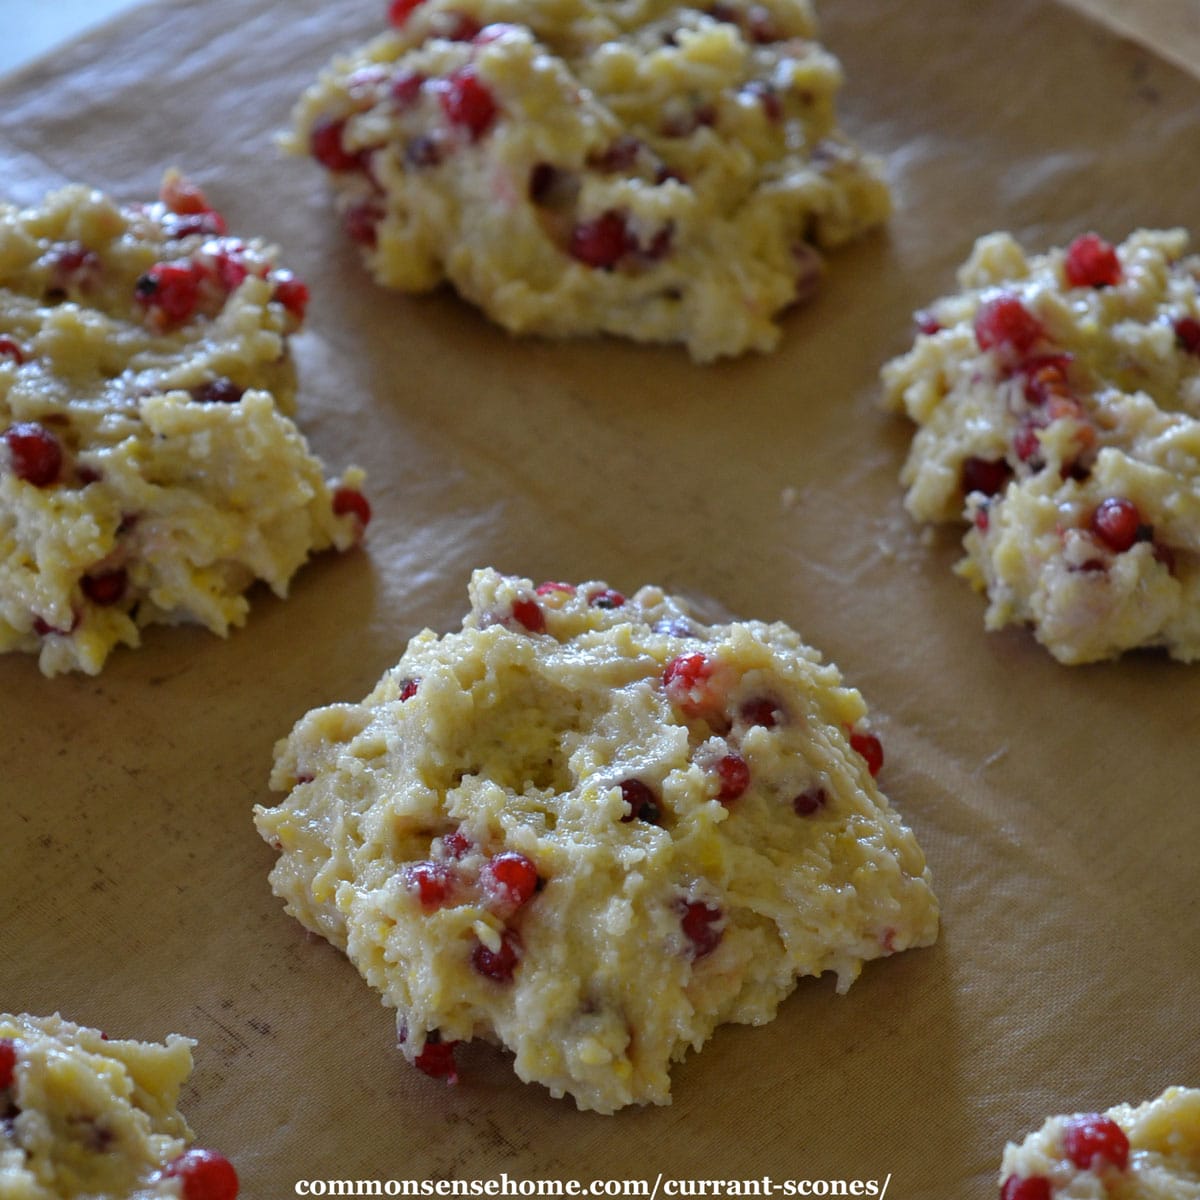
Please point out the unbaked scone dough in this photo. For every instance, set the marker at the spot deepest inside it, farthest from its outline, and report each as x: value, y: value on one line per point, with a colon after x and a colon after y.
x: 591, y: 829
x: 660, y: 170
x: 1151, y: 1152
x: 1058, y: 399
x: 83, y: 1115
x: 149, y: 471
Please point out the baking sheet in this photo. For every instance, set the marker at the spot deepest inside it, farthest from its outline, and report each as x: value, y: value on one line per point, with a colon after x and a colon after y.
x: 1058, y: 807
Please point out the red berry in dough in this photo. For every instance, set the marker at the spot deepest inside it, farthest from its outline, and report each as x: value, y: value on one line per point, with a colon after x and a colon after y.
x: 1032, y: 1187
x: 1116, y: 523
x: 871, y: 748
x: 497, y: 965
x: 468, y: 102
x: 734, y: 773
x: 601, y: 242
x: 529, y: 614
x: 34, y: 453
x: 1004, y: 323
x: 206, y: 1175
x: 699, y: 921
x: 511, y: 877
x: 1093, y: 1137
x: 351, y: 500
x: 437, y: 1059
x: 8, y: 1062
x: 1092, y: 262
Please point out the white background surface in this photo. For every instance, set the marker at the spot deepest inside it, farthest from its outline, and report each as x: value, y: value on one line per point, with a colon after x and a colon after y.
x: 33, y: 27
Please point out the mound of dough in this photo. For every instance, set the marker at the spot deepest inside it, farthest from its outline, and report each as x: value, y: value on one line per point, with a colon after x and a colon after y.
x: 1058, y: 400
x: 82, y: 1115
x: 1151, y: 1152
x: 591, y: 829
x: 149, y: 471
x: 657, y: 170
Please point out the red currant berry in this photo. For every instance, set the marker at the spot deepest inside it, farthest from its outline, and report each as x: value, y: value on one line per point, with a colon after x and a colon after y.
x: 1091, y: 262
x: 172, y: 289
x: 352, y: 501
x: 292, y: 293
x: 34, y: 453
x: 1004, y: 323
x: 643, y: 803
x: 871, y: 748
x: 325, y: 145
x: 498, y: 965
x: 1046, y: 377
x: 1089, y: 1137
x: 601, y: 242
x: 206, y: 1175
x: 764, y: 711
x: 11, y: 349
x: 810, y: 801
x: 105, y: 587
x: 406, y: 87
x: 8, y: 1062
x: 455, y: 844
x: 511, y: 878
x: 437, y: 1060
x: 1116, y: 523
x: 1032, y: 1187
x: 606, y: 599
x: 734, y: 773
x: 687, y: 680
x: 528, y: 613
x: 700, y: 925
x: 985, y: 475
x: 180, y: 195
x: 430, y: 881
x: 217, y: 391
x: 468, y: 102
x: 1187, y: 335
x: 400, y: 10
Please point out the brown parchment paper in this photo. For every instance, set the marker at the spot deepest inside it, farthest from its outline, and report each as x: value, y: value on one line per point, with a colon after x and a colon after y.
x: 1058, y: 807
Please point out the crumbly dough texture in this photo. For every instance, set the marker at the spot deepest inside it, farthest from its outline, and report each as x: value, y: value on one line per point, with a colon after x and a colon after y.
x: 1120, y: 418
x: 643, y: 934
x: 88, y: 1116
x: 180, y: 466
x: 1164, y: 1154
x: 705, y: 137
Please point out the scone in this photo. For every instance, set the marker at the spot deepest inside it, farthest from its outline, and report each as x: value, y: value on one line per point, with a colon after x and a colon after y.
x: 1151, y: 1152
x: 149, y: 470
x: 1058, y: 405
x: 84, y: 1115
x: 590, y: 829
x: 659, y: 170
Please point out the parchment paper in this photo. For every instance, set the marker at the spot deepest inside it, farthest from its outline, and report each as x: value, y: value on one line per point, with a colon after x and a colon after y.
x: 1058, y: 806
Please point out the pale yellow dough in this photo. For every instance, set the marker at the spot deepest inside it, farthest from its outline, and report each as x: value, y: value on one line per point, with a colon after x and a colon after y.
x: 1126, y: 426
x: 89, y: 1117
x: 1164, y: 1154
x: 192, y: 498
x: 507, y: 738
x: 709, y: 133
